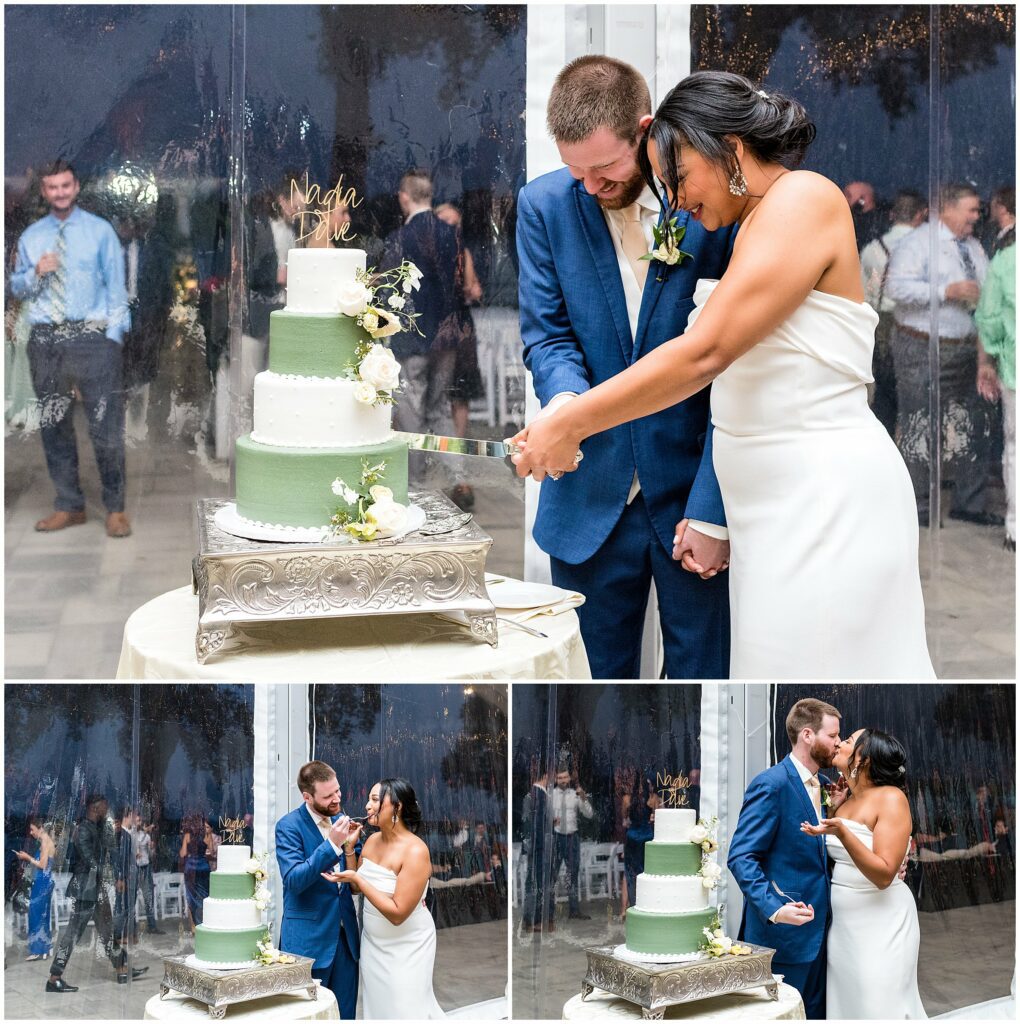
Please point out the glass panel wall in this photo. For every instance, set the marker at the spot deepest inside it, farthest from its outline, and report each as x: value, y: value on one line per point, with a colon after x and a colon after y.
x: 915, y: 110
x: 114, y: 800
x: 590, y: 765
x: 961, y: 783
x: 450, y: 743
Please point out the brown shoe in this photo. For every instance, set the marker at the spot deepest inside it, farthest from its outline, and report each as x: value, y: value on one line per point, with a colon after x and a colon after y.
x: 60, y: 521
x: 117, y: 525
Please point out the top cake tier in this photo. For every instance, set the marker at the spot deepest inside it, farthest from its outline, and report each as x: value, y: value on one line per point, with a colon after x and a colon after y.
x: 233, y: 859
x: 674, y: 824
x: 316, y: 278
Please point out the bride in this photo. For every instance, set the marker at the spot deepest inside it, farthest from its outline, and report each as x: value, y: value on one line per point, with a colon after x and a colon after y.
x: 398, y: 941
x: 874, y: 937
x: 823, y: 528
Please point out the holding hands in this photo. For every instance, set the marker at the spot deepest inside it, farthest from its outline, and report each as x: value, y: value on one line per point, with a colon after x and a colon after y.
x: 696, y: 552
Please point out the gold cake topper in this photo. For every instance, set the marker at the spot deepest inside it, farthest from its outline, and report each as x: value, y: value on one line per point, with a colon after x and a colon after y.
x: 319, y: 208
x: 672, y: 788
x: 232, y: 828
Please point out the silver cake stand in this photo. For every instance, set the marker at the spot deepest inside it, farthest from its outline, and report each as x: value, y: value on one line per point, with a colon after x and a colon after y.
x: 438, y: 568
x: 654, y: 987
x: 219, y: 989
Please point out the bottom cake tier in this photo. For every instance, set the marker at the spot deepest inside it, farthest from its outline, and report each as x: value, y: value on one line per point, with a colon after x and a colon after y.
x: 225, y: 947
x: 677, y: 933
x: 293, y: 486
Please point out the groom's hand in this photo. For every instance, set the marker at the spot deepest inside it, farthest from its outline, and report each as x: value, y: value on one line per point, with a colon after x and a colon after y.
x: 707, y: 556
x: 795, y: 914
x: 340, y: 830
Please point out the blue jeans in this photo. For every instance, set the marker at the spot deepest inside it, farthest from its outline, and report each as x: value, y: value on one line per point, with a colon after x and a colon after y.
x: 61, y: 358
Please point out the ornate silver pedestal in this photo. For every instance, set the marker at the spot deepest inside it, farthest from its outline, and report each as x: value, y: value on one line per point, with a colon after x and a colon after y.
x: 218, y: 989
x: 438, y: 568
x: 656, y: 986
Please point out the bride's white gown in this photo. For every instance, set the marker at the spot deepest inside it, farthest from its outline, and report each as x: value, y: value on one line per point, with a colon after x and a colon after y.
x: 396, y: 960
x: 872, y: 943
x: 824, y: 579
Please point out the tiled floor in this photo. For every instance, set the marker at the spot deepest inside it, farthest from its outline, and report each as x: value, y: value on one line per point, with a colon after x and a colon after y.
x: 547, y: 969
x: 470, y: 968
x: 68, y: 594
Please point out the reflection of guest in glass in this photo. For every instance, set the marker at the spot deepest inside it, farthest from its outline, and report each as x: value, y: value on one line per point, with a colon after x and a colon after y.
x: 481, y: 852
x: 866, y: 213
x: 641, y: 831
x: 70, y: 268
x: 1001, y: 231
x: 141, y: 836
x: 40, y: 942
x: 566, y: 803
x: 125, y: 874
x: 287, y: 203
x: 539, y: 896
x: 194, y: 853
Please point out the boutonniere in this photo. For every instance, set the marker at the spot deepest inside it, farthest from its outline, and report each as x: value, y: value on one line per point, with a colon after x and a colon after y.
x: 668, y: 237
x: 826, y: 799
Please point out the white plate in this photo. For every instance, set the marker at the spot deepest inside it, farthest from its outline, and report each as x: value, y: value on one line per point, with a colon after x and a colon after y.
x: 508, y: 593
x: 228, y: 520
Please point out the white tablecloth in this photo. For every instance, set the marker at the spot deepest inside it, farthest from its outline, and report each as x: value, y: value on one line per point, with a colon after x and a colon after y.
x: 290, y: 1006
x: 752, y: 1004
x: 159, y: 643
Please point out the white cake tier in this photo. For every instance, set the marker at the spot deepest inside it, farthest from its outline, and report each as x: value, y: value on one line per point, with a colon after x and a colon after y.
x: 233, y: 859
x: 674, y: 824
x: 669, y: 894
x: 315, y: 278
x: 315, y: 412
x: 230, y: 914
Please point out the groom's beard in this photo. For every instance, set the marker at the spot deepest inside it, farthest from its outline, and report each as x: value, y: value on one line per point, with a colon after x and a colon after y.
x: 822, y: 755
x: 631, y: 190
x: 328, y: 811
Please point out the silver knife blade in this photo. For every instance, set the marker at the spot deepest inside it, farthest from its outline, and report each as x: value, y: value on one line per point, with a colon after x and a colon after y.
x: 457, y: 445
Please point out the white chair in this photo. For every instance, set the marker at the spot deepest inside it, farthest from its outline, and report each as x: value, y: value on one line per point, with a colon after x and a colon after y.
x: 616, y: 859
x: 597, y: 867
x: 60, y: 912
x: 169, y: 893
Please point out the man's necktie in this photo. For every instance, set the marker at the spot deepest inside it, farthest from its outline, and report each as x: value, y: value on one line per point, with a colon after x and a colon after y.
x: 635, y: 245
x: 966, y: 259
x: 814, y: 788
x: 58, y: 284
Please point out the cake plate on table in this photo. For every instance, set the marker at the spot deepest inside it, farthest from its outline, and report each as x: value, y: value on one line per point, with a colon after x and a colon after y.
x: 656, y: 986
x: 438, y: 568
x: 219, y: 989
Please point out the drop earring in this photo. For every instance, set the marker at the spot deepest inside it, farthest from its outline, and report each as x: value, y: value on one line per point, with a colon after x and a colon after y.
x: 738, y: 183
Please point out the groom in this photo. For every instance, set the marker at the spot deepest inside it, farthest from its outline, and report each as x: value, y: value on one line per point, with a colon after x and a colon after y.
x: 590, y: 306
x: 782, y: 872
x: 319, y: 919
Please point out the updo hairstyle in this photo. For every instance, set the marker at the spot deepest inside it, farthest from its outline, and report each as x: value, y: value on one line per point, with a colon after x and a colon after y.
x: 886, y: 759
x: 705, y: 107
x: 401, y: 793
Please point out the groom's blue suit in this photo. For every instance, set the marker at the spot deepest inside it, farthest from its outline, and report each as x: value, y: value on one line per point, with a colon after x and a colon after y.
x: 768, y: 850
x: 319, y: 919
x: 577, y: 334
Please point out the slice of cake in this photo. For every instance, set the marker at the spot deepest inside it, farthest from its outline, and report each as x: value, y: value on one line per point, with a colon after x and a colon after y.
x: 671, y: 907
x: 232, y: 924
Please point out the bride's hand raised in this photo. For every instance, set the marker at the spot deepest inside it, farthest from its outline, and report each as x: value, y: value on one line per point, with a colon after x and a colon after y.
x: 350, y: 877
x: 826, y: 827
x: 550, y: 447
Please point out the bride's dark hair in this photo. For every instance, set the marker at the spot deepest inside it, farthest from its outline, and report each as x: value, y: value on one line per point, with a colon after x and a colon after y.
x: 707, y: 106
x: 886, y: 759
x: 401, y: 792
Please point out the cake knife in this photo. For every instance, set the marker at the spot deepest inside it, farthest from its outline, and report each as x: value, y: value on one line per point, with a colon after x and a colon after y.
x: 463, y: 445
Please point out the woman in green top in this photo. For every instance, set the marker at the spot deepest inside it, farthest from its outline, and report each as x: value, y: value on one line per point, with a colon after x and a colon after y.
x: 996, y: 323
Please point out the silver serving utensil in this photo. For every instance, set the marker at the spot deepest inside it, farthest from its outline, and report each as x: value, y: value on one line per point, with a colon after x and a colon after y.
x: 783, y: 894
x: 520, y: 625
x: 448, y: 524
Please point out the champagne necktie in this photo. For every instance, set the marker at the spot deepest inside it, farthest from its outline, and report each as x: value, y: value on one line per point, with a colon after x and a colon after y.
x: 635, y: 244
x: 58, y: 284
x: 814, y: 789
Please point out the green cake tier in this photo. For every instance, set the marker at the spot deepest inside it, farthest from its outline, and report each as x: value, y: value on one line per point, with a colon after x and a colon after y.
x: 667, y: 933
x: 224, y: 885
x: 293, y: 486
x: 672, y: 858
x: 228, y: 947
x: 312, y: 345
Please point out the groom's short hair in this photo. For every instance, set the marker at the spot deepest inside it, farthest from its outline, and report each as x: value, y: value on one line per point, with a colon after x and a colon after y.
x: 807, y: 714
x: 311, y: 773
x: 595, y: 92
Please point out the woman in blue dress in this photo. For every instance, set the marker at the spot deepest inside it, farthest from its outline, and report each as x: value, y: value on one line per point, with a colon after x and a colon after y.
x: 40, y: 940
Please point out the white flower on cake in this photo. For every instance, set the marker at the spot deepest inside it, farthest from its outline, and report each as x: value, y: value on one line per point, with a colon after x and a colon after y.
x: 341, y: 490
x: 354, y: 299
x: 717, y: 943
x: 380, y: 368
x: 698, y: 834
x: 375, y: 512
x: 263, y: 897
x: 268, y: 955
x: 365, y: 393
x: 370, y: 321
x: 385, y: 323
x: 397, y: 301
x: 387, y: 515
x: 380, y: 493
x: 710, y: 874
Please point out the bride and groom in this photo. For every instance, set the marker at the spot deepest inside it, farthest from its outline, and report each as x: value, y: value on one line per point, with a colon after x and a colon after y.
x: 847, y: 938
x: 324, y: 860
x: 797, y: 523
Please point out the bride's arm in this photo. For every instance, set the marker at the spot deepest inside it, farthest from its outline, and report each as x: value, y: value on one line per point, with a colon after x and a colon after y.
x: 411, y: 878
x: 793, y: 240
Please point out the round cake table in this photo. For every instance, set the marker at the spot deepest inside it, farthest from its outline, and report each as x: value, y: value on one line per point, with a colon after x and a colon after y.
x: 289, y: 1006
x: 752, y: 1004
x: 159, y: 643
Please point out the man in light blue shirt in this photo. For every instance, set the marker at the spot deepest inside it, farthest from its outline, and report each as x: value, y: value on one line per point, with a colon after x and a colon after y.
x: 70, y: 274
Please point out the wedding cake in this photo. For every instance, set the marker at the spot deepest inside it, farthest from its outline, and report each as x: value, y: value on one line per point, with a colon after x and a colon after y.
x: 232, y: 927
x: 322, y: 453
x: 671, y: 908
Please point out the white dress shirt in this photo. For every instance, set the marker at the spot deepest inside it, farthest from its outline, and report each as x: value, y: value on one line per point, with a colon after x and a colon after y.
x: 323, y: 824
x: 565, y: 805
x: 908, y: 281
x: 874, y: 261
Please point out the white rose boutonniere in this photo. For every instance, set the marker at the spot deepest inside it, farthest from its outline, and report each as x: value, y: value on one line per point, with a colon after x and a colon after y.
x: 668, y: 237
x: 380, y: 369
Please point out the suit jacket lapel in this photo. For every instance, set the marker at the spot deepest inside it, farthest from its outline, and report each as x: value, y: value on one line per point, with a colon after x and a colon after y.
x: 805, y: 800
x: 658, y: 274
x: 603, y: 255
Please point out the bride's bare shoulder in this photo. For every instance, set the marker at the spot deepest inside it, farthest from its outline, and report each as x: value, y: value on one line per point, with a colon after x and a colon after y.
x: 808, y: 190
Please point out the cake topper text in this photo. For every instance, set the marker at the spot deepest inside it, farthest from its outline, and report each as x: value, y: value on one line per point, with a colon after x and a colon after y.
x: 317, y: 211
x: 672, y: 788
x: 232, y: 828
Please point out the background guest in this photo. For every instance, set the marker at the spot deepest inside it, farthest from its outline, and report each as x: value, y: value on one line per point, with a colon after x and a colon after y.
x: 868, y: 219
x: 1000, y: 231
x: 125, y: 875
x: 142, y: 837
x: 640, y: 832
x: 195, y: 866
x: 40, y: 941
x: 539, y: 893
x: 567, y: 803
